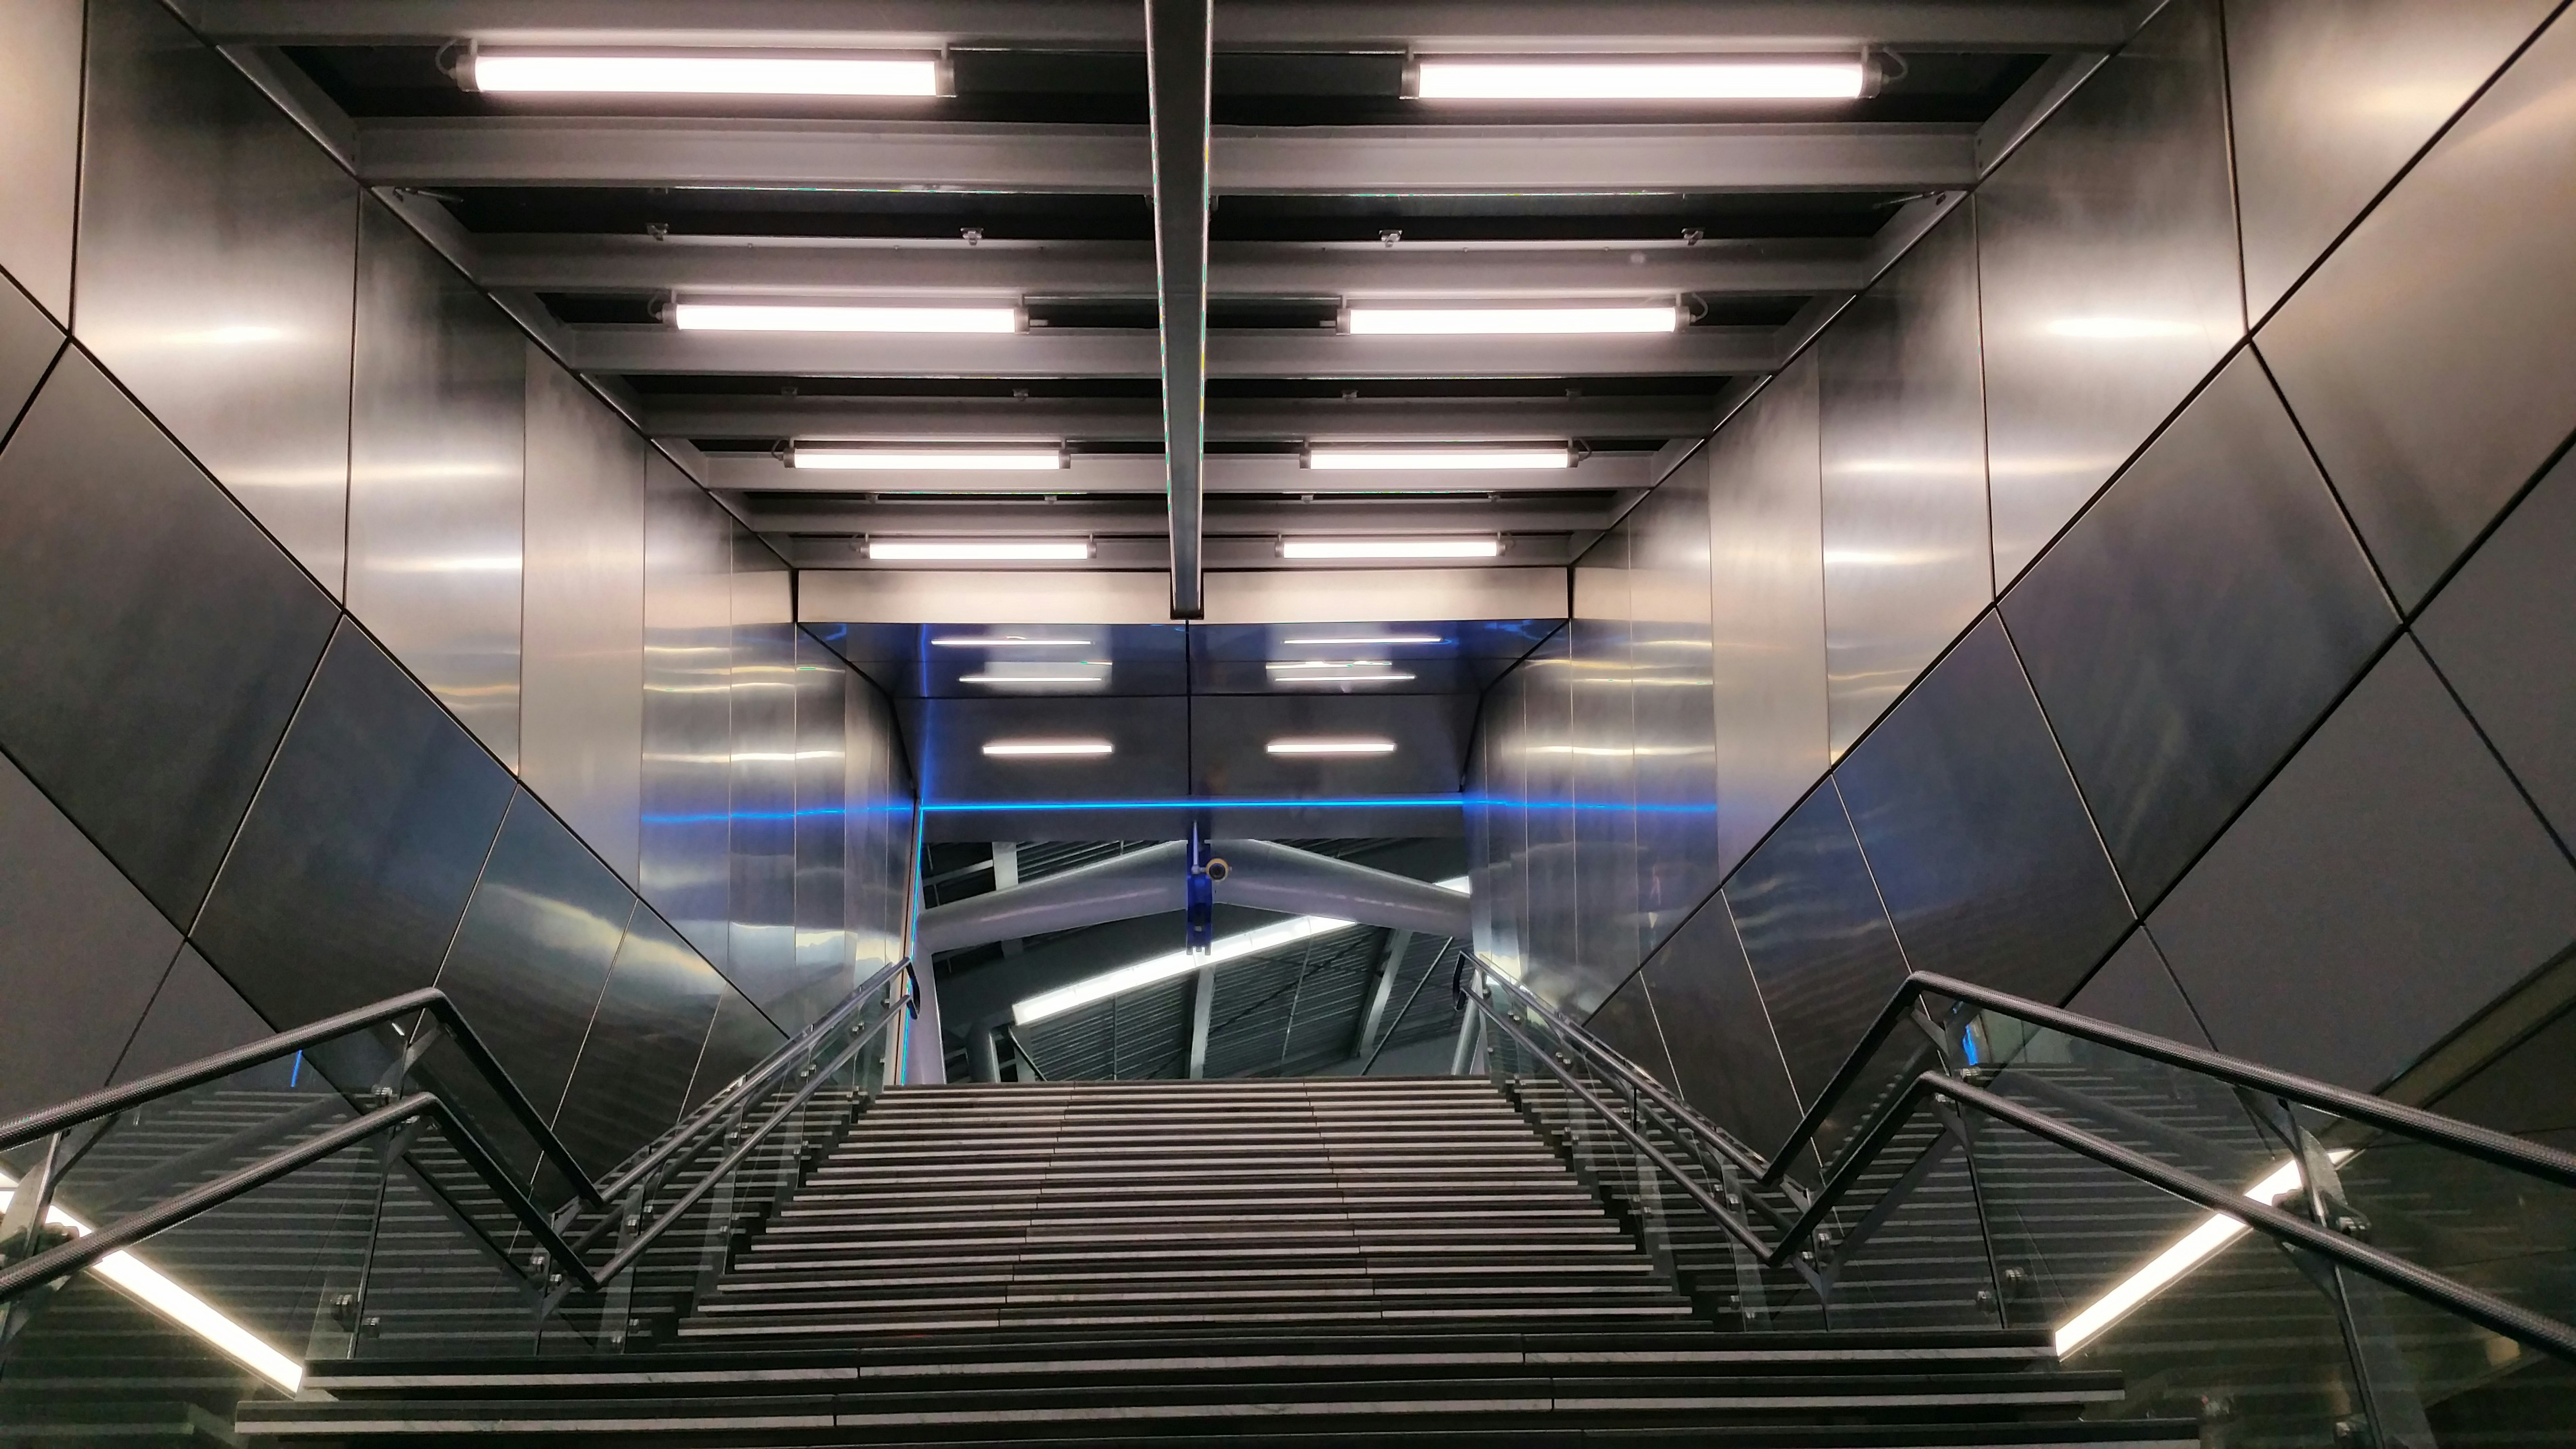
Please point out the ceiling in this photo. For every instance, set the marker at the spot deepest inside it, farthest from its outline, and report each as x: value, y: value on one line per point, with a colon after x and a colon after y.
x: 1033, y: 184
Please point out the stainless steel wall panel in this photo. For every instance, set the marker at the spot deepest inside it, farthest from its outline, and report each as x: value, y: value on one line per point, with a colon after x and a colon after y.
x: 28, y: 341
x: 355, y: 864
x: 1141, y: 732
x: 437, y: 460
x: 2432, y: 357
x: 582, y: 687
x: 1551, y: 943
x: 1767, y: 609
x: 1906, y: 554
x: 643, y: 1048
x: 686, y: 844
x: 1816, y: 938
x: 741, y: 1039
x: 1601, y: 761
x: 1230, y: 739
x: 2329, y: 98
x: 2503, y: 632
x: 534, y: 948
x: 2136, y: 989
x: 217, y: 244
x: 152, y: 641
x: 2194, y: 623
x: 1626, y: 1021
x: 1676, y: 757
x: 81, y: 954
x: 195, y: 1014
x: 760, y: 958
x: 827, y: 877
x: 1502, y: 880
x: 2390, y: 870
x: 1726, y: 1062
x: 2107, y: 252
x: 1975, y: 835
x: 40, y: 123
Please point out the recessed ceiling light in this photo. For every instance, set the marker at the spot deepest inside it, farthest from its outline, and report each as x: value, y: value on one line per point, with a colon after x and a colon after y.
x: 1540, y: 78
x: 767, y: 317
x: 1005, y: 641
x: 1327, y: 746
x: 1510, y: 321
x: 1391, y: 548
x: 1046, y: 749
x: 980, y: 550
x: 927, y: 460
x: 1438, y: 460
x: 1371, y: 639
x: 990, y: 676
x: 700, y: 73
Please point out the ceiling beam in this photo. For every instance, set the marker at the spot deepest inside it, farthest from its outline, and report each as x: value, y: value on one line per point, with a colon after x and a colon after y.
x: 451, y: 151
x: 1180, y: 56
x: 1067, y: 352
x: 933, y: 268
x: 1230, y: 420
x: 1499, y: 25
x: 1141, y: 474
x: 1143, y: 516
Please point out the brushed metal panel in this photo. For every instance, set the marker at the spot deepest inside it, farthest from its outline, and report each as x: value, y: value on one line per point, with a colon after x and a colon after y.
x: 152, y: 641
x: 1230, y: 736
x: 2107, y: 258
x: 1974, y: 833
x: 1907, y: 560
x: 1499, y: 890
x: 437, y: 466
x: 2432, y: 357
x: 217, y: 245
x: 944, y: 596
x: 643, y: 1047
x: 955, y: 772
x: 534, y: 948
x: 740, y: 1039
x: 196, y: 1013
x: 1815, y: 937
x: 2136, y: 989
x: 1602, y: 763
x: 2194, y: 623
x: 581, y: 703
x: 1675, y: 702
x: 2390, y: 869
x: 1378, y: 596
x: 357, y: 859
x: 40, y: 123
x: 1551, y: 943
x: 2503, y: 633
x: 28, y: 341
x: 760, y: 954
x: 685, y: 866
x: 1767, y: 609
x: 2328, y: 99
x: 81, y: 950
x: 1726, y: 1061
x: 826, y: 876
x: 1625, y: 1021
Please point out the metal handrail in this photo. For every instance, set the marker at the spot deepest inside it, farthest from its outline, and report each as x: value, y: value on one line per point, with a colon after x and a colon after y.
x: 45, y: 1122
x: 2483, y: 1309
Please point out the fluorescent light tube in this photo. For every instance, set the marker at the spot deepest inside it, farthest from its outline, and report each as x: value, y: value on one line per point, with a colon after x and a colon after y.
x: 933, y: 460
x: 1046, y: 749
x: 1510, y: 321
x: 146, y: 1285
x: 1391, y: 548
x: 1005, y: 641
x: 979, y: 550
x: 705, y: 73
x: 1280, y: 666
x: 2202, y: 1243
x: 1444, y: 460
x: 766, y: 317
x: 1084, y: 672
x: 1392, y: 676
x: 1373, y: 639
x: 1325, y: 746
x: 1163, y: 968
x: 1731, y: 79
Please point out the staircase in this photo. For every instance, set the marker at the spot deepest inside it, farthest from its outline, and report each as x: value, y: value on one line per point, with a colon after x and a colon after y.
x: 1306, y: 1262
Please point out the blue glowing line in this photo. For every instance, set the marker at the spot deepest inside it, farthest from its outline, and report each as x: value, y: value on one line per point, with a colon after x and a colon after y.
x: 298, y: 1074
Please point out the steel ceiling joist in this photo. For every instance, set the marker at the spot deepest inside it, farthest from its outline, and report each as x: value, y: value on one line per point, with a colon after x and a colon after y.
x: 1341, y: 420
x: 1466, y: 25
x: 1143, y: 475
x: 475, y: 151
x: 1143, y: 517
x: 1180, y: 57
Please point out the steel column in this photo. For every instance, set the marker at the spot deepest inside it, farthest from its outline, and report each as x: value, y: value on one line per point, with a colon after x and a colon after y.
x: 1180, y: 58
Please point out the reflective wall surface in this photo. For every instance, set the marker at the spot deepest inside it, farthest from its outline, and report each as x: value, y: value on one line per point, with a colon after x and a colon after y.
x: 563, y: 752
x: 2101, y: 653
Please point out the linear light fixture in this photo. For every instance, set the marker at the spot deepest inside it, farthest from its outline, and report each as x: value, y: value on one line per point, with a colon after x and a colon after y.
x: 835, y: 458
x: 1438, y: 460
x: 146, y: 1285
x: 698, y: 73
x: 1164, y: 968
x: 1321, y: 745
x: 1083, y: 671
x: 979, y: 550
x: 2202, y: 1243
x: 1392, y: 676
x: 1370, y: 640
x: 800, y: 317
x: 1282, y: 666
x: 1005, y: 641
x: 1347, y: 548
x: 1046, y: 749
x: 1571, y: 78
x: 1509, y: 321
